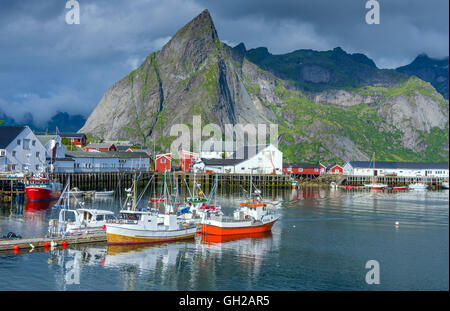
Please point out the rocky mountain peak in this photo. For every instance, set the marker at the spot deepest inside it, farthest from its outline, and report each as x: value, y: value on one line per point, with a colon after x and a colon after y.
x: 192, y: 43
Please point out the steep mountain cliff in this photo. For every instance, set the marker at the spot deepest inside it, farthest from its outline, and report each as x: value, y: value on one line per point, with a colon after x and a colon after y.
x: 431, y: 70
x: 330, y: 106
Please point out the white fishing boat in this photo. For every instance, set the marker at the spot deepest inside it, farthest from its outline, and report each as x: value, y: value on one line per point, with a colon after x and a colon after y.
x: 445, y: 185
x: 137, y: 226
x: 374, y: 185
x: 418, y: 186
x: 78, y: 221
x: 105, y: 193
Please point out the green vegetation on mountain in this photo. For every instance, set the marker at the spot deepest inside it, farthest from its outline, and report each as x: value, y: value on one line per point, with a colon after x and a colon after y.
x: 330, y: 106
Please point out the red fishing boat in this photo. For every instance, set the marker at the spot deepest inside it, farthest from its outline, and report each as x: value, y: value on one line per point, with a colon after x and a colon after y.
x: 42, y: 189
x: 401, y: 188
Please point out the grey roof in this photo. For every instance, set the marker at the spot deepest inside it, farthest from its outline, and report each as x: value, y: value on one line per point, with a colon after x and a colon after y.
x: 8, y: 134
x: 398, y: 165
x: 123, y: 147
x: 44, y: 139
x: 301, y: 165
x: 99, y: 145
x: 107, y: 154
x: 221, y: 162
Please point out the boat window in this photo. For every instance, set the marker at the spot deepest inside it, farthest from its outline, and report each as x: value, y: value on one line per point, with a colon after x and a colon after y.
x: 110, y: 217
x: 128, y: 216
x: 99, y: 218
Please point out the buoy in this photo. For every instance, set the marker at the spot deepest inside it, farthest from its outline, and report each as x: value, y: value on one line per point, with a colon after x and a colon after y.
x: 293, y: 226
x: 16, y: 249
x: 397, y: 223
x: 104, y: 227
x: 64, y: 244
x: 46, y: 244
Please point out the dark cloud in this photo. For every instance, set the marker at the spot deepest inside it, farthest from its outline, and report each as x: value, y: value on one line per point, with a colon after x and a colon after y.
x: 46, y: 64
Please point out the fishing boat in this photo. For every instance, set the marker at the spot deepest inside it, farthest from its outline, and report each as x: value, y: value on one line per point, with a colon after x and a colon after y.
x: 251, y: 217
x: 76, y: 192
x: 105, y: 193
x: 400, y: 188
x: 78, y: 221
x: 445, y: 185
x: 418, y: 186
x: 197, y: 205
x: 142, y: 226
x: 374, y: 185
x: 42, y: 189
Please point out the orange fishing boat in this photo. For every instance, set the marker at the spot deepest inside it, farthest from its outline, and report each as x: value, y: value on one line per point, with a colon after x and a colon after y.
x: 251, y: 217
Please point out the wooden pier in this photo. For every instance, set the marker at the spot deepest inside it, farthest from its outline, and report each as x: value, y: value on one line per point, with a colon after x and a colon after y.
x: 12, y: 187
x: 110, y: 181
x: 41, y: 242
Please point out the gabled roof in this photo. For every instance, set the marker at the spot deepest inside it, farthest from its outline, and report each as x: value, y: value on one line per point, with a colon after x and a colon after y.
x: 8, y: 134
x: 398, y: 165
x: 99, y: 145
x: 44, y: 139
x: 329, y: 167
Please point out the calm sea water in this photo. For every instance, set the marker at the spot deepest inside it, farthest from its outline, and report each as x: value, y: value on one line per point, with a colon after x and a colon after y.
x: 322, y: 242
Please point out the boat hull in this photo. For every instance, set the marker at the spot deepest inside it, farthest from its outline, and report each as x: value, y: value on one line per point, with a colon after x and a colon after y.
x: 118, y: 236
x: 242, y: 230
x: 400, y: 188
x: 41, y: 194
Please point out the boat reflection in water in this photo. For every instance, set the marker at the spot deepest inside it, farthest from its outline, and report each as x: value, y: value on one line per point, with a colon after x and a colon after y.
x: 217, y: 239
x: 37, y: 206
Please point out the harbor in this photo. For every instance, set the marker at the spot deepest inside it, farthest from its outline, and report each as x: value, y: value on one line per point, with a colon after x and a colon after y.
x: 311, y: 247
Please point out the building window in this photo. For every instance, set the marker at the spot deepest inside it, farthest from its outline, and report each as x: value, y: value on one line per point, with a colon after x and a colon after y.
x: 37, y: 167
x: 18, y: 142
x: 14, y: 153
x: 163, y: 160
x: 26, y: 144
x: 37, y: 154
x: 33, y: 143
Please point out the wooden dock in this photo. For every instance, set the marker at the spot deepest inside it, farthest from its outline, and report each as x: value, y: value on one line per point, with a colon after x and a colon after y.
x: 41, y: 242
x: 109, y: 180
x: 12, y: 187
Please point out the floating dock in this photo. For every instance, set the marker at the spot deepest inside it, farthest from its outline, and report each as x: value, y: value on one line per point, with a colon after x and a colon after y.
x: 46, y: 242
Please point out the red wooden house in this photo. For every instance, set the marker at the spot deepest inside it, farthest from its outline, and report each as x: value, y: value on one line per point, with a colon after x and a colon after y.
x: 334, y: 169
x: 163, y: 162
x: 305, y: 169
x: 187, y: 159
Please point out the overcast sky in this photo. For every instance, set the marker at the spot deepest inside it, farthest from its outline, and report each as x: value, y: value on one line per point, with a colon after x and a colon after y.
x: 47, y: 65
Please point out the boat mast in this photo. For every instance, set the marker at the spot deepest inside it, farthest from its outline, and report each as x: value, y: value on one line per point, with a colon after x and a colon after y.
x: 373, y: 177
x: 134, y: 192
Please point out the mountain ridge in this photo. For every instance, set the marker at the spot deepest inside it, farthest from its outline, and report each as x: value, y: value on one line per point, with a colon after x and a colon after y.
x: 341, y: 107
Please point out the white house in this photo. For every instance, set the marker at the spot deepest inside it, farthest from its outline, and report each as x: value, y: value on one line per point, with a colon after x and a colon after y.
x: 401, y: 169
x: 21, y: 150
x: 258, y: 159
